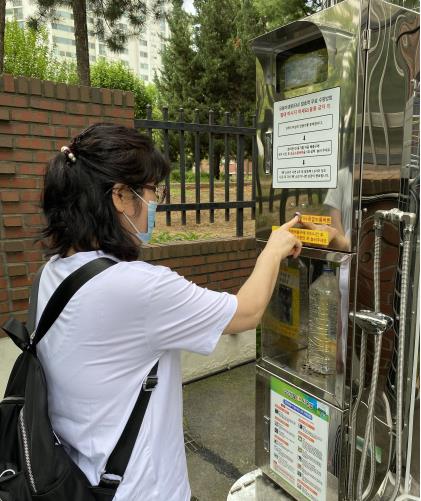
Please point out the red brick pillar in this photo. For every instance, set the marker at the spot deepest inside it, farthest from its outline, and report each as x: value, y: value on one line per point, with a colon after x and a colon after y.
x: 36, y: 119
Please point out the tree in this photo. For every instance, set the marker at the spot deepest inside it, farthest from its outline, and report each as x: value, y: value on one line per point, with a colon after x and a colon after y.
x: 176, y: 79
x: 276, y: 13
x: 81, y: 40
x: 225, y: 79
x: 28, y: 53
x: 207, y: 62
x: 108, y: 26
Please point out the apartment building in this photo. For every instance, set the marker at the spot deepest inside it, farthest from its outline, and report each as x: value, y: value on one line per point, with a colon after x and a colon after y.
x: 142, y: 53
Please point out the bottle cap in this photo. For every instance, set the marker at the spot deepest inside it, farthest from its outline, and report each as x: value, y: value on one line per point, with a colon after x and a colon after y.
x: 328, y: 268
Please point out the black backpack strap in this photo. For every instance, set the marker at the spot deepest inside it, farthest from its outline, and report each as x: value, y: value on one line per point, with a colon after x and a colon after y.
x: 119, y: 458
x: 64, y: 292
x: 33, y: 301
x: 16, y: 330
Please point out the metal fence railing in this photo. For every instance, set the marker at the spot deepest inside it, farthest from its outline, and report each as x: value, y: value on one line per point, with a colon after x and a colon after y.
x: 212, y: 141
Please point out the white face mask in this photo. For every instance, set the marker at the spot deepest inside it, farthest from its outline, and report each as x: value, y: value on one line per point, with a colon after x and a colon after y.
x: 144, y: 237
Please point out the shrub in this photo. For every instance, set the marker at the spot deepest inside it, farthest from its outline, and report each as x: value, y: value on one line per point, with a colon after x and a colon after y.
x: 116, y: 75
x: 28, y: 53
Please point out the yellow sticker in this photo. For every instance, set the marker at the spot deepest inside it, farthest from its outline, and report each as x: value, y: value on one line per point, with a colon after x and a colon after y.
x: 314, y: 237
x: 311, y: 236
x: 307, y: 218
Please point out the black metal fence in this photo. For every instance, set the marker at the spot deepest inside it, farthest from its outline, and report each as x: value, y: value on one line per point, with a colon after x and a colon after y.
x: 209, y: 133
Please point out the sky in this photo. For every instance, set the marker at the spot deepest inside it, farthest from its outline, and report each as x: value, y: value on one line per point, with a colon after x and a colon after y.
x: 188, y: 5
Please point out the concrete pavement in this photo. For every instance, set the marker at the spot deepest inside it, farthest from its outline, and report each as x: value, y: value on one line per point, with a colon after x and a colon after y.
x: 219, y: 431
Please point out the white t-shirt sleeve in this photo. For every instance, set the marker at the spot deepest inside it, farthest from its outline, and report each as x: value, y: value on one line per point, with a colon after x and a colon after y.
x: 184, y: 316
x: 333, y: 198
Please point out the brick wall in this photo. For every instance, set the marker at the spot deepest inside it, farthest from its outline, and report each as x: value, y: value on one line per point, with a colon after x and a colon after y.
x: 36, y: 119
x: 221, y: 265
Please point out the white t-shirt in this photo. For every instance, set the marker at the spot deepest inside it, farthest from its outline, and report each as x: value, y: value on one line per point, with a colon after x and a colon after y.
x: 98, y: 352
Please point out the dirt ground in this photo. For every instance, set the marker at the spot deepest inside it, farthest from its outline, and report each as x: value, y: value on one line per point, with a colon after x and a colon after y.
x: 205, y: 230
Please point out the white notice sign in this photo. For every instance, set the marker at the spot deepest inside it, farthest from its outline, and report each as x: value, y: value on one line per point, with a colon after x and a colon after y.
x: 305, y: 140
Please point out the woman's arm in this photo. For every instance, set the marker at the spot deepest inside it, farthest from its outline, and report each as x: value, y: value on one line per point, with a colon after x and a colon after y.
x: 255, y: 294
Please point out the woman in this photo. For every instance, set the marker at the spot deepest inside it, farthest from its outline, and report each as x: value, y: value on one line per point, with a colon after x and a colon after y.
x: 100, y: 197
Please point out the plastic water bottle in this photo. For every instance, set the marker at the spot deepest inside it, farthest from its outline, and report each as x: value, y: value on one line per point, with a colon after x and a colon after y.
x: 323, y: 320
x: 303, y: 300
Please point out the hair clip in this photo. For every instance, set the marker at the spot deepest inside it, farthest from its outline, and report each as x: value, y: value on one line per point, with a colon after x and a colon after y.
x: 67, y: 151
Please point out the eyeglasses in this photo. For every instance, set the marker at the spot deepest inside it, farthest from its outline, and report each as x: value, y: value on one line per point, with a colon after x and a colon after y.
x: 159, y: 190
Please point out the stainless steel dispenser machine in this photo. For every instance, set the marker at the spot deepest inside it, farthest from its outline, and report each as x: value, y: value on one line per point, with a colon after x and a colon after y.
x: 338, y: 141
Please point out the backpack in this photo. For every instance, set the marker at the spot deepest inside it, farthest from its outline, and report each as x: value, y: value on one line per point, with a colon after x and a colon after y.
x: 33, y: 463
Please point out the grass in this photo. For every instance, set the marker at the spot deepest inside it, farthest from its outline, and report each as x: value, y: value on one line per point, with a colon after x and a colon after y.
x: 163, y: 237
x: 190, y: 176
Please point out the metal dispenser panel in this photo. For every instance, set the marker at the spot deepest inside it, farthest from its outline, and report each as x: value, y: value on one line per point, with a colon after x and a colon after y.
x: 284, y: 337
x: 338, y: 141
x: 309, y: 100
x: 306, y: 457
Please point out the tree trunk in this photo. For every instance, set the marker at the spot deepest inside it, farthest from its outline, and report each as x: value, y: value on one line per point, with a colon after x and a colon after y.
x: 2, y: 27
x: 81, y: 38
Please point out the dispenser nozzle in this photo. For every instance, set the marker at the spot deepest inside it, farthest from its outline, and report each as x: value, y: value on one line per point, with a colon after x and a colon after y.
x: 371, y: 322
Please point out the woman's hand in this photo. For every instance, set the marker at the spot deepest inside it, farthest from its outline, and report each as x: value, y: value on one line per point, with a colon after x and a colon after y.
x: 255, y: 294
x: 283, y: 243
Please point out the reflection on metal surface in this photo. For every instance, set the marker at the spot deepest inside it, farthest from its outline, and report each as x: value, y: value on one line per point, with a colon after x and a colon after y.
x: 254, y: 486
x: 289, y: 352
x: 372, y: 322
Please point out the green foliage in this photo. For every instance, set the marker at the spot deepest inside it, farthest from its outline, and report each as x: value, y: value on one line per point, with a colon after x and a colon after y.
x: 178, y: 75
x: 115, y: 75
x: 163, y: 237
x: 66, y: 72
x: 117, y: 20
x: 175, y: 176
x: 207, y: 62
x: 114, y: 22
x: 275, y: 13
x: 28, y: 53
x: 226, y: 65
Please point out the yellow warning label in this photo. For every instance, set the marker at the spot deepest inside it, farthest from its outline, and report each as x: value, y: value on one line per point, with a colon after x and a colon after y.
x: 314, y: 237
x: 307, y: 218
x: 311, y: 236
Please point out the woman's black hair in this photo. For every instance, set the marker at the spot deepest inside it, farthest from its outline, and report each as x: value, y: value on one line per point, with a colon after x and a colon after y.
x: 77, y: 198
